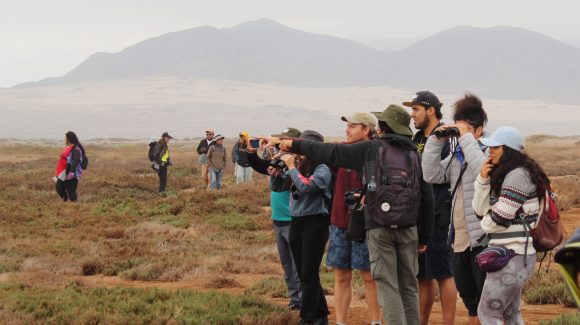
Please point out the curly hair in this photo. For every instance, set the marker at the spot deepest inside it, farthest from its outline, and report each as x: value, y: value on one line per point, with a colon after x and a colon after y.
x: 512, y: 159
x: 469, y: 108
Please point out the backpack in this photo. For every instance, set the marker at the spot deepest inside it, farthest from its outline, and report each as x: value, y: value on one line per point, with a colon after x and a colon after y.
x: 548, y: 233
x: 84, y: 159
x: 151, y: 153
x: 393, y: 180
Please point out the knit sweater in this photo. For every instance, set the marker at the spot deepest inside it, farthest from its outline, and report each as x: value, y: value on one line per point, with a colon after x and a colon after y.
x: 517, y: 198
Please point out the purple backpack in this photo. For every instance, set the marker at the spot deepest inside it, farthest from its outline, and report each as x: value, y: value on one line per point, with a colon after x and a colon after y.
x: 494, y: 258
x: 393, y: 180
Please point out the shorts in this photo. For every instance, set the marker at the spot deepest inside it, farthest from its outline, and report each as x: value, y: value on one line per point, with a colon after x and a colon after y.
x: 436, y: 264
x: 346, y: 254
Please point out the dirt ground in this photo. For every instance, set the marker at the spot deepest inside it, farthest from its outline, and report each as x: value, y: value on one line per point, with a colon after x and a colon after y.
x: 532, y: 314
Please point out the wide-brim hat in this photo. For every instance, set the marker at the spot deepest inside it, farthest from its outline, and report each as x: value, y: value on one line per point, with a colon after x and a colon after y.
x: 397, y: 118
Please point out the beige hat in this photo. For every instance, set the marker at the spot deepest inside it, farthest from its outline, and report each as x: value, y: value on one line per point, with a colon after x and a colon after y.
x: 361, y: 118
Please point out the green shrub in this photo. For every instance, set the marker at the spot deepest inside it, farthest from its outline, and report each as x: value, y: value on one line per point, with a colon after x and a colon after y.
x: 274, y: 287
x: 566, y: 319
x: 547, y: 288
x: 78, y: 305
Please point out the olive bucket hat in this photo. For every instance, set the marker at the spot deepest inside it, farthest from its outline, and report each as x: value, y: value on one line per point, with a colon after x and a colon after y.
x: 397, y: 118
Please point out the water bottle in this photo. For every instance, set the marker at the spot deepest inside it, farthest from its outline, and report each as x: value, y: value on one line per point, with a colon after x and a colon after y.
x: 372, y: 186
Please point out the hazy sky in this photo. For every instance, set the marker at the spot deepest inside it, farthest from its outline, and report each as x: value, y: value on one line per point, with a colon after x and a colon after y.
x: 41, y: 38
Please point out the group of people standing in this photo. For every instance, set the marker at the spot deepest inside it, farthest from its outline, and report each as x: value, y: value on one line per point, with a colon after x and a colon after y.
x: 213, y: 159
x: 456, y: 187
x: 467, y: 187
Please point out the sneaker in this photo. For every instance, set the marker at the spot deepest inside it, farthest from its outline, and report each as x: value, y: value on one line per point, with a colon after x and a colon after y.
x: 293, y: 306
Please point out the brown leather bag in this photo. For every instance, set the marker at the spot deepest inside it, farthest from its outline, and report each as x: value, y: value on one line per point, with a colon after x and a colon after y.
x: 548, y: 233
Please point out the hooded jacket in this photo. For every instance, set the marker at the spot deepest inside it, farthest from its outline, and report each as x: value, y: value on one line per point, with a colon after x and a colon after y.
x: 353, y: 156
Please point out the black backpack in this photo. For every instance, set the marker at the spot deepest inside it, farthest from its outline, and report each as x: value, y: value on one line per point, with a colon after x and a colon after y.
x: 84, y: 159
x: 393, y: 180
x: 151, y: 153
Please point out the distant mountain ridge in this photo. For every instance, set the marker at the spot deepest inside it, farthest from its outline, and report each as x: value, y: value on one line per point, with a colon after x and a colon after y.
x: 502, y: 62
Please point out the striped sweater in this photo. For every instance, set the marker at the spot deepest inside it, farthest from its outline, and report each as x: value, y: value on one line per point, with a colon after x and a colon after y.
x: 516, y: 199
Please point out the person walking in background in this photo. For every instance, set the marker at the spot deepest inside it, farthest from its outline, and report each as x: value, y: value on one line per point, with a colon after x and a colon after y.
x: 281, y: 218
x: 68, y: 169
x: 216, y: 160
x: 460, y: 170
x: 202, y: 149
x: 309, y: 203
x: 162, y: 160
x: 508, y: 191
x: 243, y: 171
x: 345, y: 254
x: 436, y: 264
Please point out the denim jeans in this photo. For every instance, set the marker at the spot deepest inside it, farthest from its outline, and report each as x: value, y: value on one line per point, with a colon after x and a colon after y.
x: 216, y: 178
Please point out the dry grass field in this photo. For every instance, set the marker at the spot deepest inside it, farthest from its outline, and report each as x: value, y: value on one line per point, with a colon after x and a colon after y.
x: 125, y: 255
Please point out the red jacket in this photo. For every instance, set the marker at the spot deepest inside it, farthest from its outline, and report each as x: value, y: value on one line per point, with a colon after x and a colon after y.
x: 346, y: 180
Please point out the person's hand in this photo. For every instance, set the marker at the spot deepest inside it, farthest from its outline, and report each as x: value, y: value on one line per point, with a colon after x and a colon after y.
x: 421, y: 249
x: 288, y: 159
x: 249, y: 147
x: 462, y: 126
x: 486, y: 168
x: 286, y: 145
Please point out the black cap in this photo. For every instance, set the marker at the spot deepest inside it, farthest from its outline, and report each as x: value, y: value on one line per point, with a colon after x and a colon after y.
x: 166, y: 135
x: 425, y: 98
x: 312, y: 136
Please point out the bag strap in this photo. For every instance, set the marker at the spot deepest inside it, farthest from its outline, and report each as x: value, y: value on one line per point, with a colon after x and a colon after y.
x: 458, y: 180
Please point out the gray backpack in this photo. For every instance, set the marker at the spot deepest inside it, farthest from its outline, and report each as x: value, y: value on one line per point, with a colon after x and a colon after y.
x: 393, y: 180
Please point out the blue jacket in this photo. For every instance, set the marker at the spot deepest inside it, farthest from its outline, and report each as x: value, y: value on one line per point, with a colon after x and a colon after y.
x: 311, y: 194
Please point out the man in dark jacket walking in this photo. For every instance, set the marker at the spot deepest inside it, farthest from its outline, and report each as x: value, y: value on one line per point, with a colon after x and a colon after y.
x: 202, y: 150
x: 393, y: 251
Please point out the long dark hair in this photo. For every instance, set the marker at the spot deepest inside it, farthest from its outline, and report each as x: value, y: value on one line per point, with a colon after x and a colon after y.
x: 71, y: 137
x: 512, y: 159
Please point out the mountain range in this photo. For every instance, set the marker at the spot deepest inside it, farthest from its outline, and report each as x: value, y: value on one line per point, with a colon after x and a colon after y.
x: 497, y: 62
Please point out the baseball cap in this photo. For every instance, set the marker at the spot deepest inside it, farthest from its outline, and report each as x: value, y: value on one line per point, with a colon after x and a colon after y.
x: 505, y: 136
x: 288, y: 133
x: 312, y: 136
x: 166, y: 135
x: 244, y: 134
x: 209, y: 131
x: 397, y: 118
x: 425, y: 98
x: 361, y: 118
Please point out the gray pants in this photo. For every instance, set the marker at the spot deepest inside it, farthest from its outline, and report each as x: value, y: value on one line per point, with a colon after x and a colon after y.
x: 502, y: 292
x: 394, y: 266
x: 290, y: 272
x: 243, y: 174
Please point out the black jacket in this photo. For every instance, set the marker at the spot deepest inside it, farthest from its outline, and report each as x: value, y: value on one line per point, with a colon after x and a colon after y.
x: 203, y: 146
x: 441, y: 195
x: 353, y: 156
